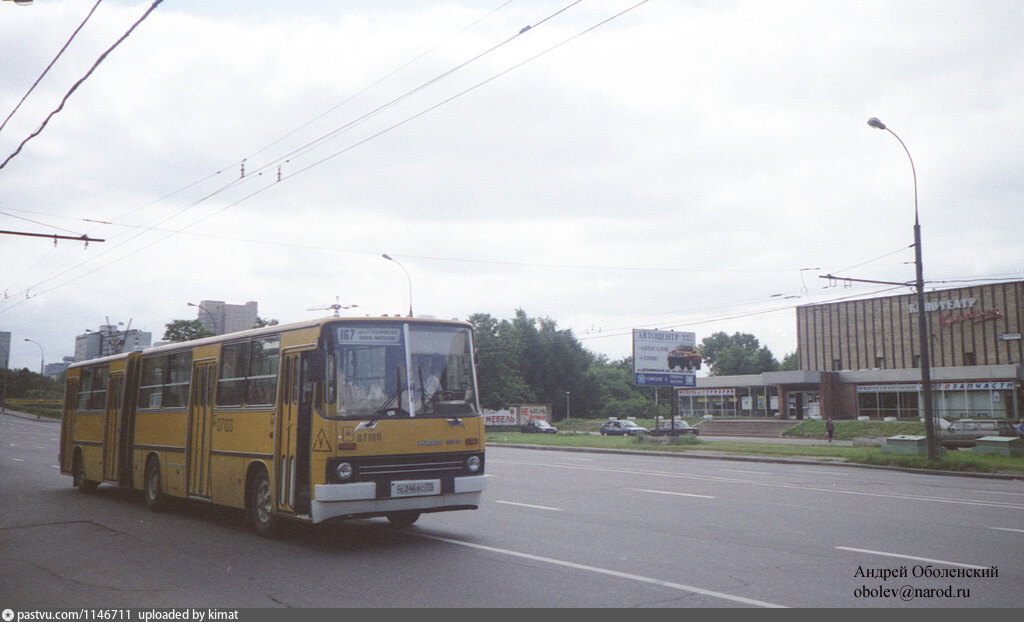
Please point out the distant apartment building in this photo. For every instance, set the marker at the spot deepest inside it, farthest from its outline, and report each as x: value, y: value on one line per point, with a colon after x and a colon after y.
x: 220, y: 317
x: 54, y: 370
x: 109, y: 340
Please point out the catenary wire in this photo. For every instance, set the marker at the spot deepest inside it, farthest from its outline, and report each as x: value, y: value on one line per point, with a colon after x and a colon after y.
x: 52, y: 62
x: 75, y: 86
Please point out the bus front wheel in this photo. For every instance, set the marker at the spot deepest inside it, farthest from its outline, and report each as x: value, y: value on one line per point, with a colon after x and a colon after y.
x: 261, y: 506
x: 403, y: 519
x: 156, y: 500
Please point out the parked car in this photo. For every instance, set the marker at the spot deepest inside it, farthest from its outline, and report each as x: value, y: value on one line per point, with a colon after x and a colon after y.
x: 620, y: 427
x: 965, y: 432
x: 538, y: 425
x: 666, y: 427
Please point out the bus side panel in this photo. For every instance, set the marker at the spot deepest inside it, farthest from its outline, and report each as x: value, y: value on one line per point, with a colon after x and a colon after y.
x: 87, y: 437
x: 239, y: 438
x: 228, y: 480
x: 67, y: 424
x: 161, y: 434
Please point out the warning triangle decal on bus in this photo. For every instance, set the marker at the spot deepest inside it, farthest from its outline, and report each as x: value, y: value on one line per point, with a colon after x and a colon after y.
x: 321, y: 444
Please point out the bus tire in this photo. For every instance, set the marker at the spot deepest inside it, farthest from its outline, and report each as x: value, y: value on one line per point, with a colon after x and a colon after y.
x: 78, y: 470
x: 403, y: 519
x: 156, y: 499
x: 261, y: 506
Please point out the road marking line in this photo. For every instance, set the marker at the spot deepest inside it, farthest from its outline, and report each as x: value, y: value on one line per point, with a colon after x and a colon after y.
x: 680, y: 494
x: 733, y: 480
x: 17, y: 459
x: 605, y: 571
x: 1007, y: 529
x: 745, y: 471
x: 920, y: 559
x: 527, y: 505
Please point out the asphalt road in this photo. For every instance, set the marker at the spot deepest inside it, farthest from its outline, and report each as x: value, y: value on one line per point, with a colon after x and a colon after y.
x: 557, y: 529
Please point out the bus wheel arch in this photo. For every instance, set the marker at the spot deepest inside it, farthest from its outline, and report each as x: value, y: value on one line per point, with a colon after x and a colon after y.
x: 259, y: 501
x: 78, y: 472
x: 156, y: 497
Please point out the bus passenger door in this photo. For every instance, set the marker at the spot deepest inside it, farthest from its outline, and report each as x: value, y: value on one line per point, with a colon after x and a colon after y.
x: 200, y: 420
x: 292, y: 434
x: 111, y: 427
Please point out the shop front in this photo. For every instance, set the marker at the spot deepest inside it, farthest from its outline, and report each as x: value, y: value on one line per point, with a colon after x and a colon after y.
x: 950, y: 400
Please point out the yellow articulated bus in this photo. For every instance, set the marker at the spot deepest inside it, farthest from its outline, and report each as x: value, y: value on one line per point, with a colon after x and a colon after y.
x: 332, y: 418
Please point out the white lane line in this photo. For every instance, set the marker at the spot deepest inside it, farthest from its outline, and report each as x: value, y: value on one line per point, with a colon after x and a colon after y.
x: 606, y: 572
x: 17, y: 459
x: 527, y: 505
x: 745, y: 471
x: 919, y: 559
x: 679, y: 494
x: 1007, y: 529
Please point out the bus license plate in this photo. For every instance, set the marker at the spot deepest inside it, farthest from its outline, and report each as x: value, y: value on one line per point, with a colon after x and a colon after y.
x: 416, y: 488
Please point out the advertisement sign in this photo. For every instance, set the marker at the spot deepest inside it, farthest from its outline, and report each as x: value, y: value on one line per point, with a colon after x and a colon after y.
x: 663, y: 358
x: 518, y: 414
x: 499, y: 417
x: 531, y: 412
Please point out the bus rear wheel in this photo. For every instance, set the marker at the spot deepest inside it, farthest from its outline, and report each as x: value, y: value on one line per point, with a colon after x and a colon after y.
x: 85, y: 485
x: 156, y: 500
x: 261, y: 506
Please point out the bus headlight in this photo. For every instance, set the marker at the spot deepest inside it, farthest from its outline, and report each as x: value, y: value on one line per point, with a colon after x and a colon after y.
x: 344, y: 471
x: 473, y: 464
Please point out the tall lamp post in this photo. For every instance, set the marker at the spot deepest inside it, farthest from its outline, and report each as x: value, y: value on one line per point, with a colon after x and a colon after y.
x: 212, y: 317
x: 390, y: 258
x: 42, y: 357
x: 922, y: 319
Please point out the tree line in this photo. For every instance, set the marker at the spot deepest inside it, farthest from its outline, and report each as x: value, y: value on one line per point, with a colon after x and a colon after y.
x: 527, y: 360
x: 524, y: 360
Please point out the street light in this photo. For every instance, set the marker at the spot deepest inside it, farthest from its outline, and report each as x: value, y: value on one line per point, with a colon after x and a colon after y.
x: 922, y: 320
x: 390, y: 258
x: 213, y: 318
x: 42, y: 357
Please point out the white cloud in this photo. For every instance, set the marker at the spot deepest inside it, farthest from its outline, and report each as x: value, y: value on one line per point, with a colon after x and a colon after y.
x: 724, y: 143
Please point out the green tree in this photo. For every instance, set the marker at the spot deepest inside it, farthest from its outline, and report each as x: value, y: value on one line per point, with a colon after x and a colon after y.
x: 498, y: 353
x: 740, y: 353
x: 526, y: 360
x: 185, y: 330
x: 790, y: 362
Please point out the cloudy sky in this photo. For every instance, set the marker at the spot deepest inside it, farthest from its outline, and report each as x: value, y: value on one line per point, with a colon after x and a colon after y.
x: 620, y: 164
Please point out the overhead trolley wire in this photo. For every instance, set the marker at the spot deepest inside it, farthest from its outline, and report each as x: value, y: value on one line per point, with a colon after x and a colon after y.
x: 45, y: 71
x: 75, y: 86
x: 358, y: 143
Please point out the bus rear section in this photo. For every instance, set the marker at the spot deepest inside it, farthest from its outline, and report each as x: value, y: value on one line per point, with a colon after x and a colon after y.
x: 96, y: 428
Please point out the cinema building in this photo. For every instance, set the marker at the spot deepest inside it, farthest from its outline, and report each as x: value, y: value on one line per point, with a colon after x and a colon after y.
x: 861, y: 358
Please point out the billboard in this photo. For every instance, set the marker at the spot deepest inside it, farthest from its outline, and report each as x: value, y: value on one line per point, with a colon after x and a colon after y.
x: 663, y: 358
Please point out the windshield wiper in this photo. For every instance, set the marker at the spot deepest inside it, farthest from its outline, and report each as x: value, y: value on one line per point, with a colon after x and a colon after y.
x: 391, y: 404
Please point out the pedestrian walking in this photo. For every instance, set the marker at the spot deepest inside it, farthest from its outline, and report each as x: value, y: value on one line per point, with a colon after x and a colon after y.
x: 829, y: 429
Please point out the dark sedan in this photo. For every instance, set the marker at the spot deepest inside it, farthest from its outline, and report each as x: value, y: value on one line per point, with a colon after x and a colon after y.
x: 538, y: 426
x: 619, y: 427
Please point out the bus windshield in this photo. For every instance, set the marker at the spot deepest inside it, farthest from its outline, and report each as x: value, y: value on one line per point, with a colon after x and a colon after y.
x: 380, y: 370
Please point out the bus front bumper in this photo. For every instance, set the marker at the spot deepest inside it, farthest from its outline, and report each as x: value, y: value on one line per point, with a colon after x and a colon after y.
x: 360, y: 500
